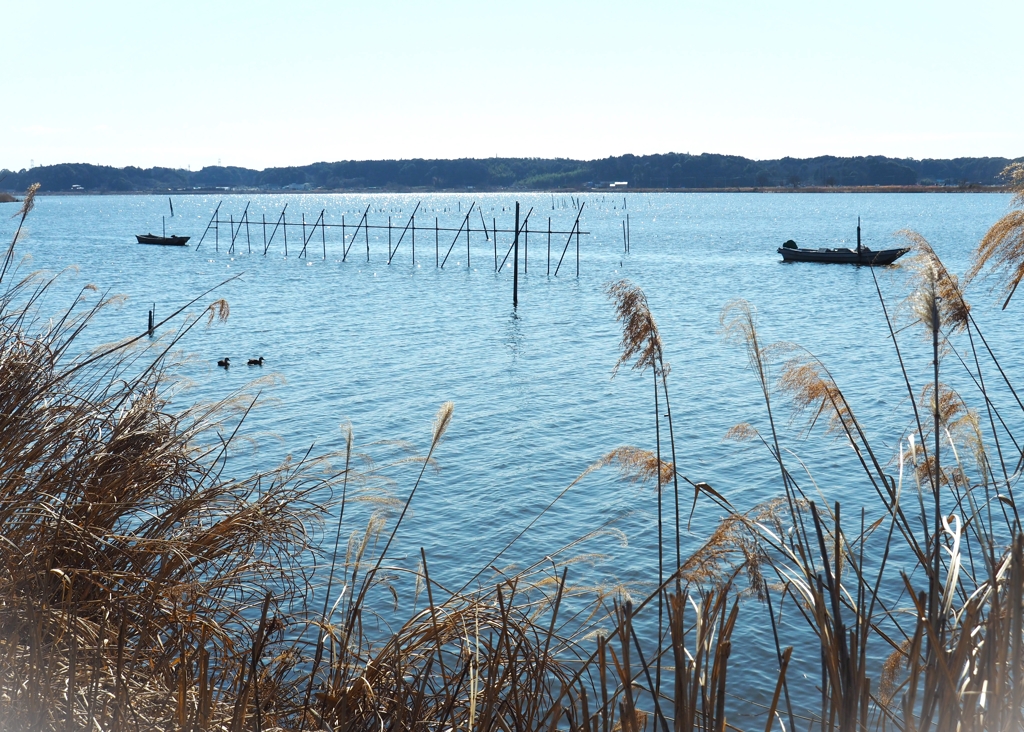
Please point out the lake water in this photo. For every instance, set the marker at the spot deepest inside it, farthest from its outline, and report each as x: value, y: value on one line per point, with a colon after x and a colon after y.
x: 382, y: 346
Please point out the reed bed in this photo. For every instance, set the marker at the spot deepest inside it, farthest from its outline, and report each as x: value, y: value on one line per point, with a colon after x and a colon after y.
x: 141, y: 589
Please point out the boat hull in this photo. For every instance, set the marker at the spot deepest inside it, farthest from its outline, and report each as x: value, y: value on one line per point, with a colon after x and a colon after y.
x: 166, y: 241
x: 843, y: 256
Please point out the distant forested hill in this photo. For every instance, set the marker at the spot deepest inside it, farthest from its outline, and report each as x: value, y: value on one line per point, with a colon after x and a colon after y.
x: 648, y: 171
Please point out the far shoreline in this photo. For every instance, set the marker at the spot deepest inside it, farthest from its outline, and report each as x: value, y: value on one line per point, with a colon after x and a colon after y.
x: 972, y: 188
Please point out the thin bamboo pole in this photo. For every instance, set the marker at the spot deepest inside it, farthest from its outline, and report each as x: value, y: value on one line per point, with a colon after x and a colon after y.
x: 526, y: 247
x: 549, y: 237
x: 209, y: 225
x: 515, y: 272
x: 280, y: 218
x: 411, y: 220
x: 568, y: 241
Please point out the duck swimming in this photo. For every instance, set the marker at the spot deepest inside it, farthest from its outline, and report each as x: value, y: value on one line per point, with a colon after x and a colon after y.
x: 256, y: 361
x: 224, y: 362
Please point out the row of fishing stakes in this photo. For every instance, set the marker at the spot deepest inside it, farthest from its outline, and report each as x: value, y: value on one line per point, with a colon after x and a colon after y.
x: 363, y: 227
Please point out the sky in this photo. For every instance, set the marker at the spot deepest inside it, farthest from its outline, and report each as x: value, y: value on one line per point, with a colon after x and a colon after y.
x: 261, y: 84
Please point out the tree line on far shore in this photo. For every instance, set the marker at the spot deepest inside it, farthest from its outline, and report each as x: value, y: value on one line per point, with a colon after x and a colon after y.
x: 669, y: 171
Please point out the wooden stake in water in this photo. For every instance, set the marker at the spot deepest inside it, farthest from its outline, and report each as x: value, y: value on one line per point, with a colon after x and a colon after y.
x: 515, y: 273
x: 578, y: 244
x: 151, y: 322
x: 574, y: 230
x: 212, y: 219
x: 266, y: 243
x: 549, y: 239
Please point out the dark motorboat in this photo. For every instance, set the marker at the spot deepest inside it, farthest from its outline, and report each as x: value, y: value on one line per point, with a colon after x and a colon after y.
x: 169, y: 241
x: 861, y: 255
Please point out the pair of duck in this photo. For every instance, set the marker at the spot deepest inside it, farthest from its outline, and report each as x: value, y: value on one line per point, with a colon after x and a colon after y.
x: 226, y: 362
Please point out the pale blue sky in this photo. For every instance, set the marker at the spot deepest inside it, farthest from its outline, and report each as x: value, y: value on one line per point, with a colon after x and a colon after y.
x: 263, y: 84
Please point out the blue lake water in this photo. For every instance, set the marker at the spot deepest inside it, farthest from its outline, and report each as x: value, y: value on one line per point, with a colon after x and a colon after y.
x: 382, y: 346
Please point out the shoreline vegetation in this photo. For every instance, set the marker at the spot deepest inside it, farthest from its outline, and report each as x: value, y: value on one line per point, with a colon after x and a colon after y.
x: 669, y: 172
x: 142, y: 589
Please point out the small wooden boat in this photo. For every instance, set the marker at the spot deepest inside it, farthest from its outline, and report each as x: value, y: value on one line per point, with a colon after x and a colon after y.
x: 168, y: 241
x: 861, y: 255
